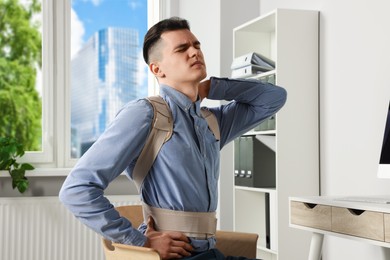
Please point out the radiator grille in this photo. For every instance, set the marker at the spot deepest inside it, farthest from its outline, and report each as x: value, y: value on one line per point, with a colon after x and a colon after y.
x: 41, y: 228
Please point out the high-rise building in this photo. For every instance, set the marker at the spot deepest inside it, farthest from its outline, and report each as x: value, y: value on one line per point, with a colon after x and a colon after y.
x: 104, y: 78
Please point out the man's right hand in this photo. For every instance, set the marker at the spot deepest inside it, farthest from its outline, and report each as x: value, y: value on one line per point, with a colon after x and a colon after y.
x: 204, y: 89
x: 170, y: 245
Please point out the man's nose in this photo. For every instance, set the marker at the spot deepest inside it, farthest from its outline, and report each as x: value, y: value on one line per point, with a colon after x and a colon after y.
x: 194, y: 51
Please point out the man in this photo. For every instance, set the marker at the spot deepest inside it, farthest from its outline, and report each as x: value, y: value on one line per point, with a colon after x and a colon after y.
x: 184, y: 176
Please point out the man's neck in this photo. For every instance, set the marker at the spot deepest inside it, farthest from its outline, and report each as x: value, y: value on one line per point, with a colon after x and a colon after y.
x: 188, y: 89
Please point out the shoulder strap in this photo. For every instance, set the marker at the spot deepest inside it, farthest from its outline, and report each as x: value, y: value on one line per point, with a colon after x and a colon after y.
x: 212, y: 122
x: 162, y: 128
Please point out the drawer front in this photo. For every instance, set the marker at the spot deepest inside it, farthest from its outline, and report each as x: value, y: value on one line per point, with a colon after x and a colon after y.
x: 387, y: 227
x: 311, y: 215
x: 366, y: 224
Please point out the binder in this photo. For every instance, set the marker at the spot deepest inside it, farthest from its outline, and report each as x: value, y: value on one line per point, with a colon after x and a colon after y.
x: 243, y: 155
x: 253, y: 58
x: 267, y: 222
x: 268, y: 124
x: 247, y: 71
x: 237, y: 161
x: 264, y: 222
x: 240, y: 160
x: 249, y: 146
x: 256, y: 164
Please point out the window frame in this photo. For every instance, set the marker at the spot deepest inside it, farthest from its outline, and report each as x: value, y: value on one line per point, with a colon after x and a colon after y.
x: 55, y: 157
x: 46, y: 155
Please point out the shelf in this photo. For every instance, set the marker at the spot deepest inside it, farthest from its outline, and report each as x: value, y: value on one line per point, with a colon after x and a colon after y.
x: 263, y: 190
x: 267, y: 250
x: 265, y: 23
x: 267, y: 132
x: 290, y: 150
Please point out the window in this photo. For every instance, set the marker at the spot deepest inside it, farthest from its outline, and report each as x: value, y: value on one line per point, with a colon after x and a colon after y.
x: 107, y: 67
x: 23, y: 99
x: 89, y: 70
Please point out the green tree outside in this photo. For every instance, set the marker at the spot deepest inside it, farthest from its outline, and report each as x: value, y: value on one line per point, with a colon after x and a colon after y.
x: 20, y: 54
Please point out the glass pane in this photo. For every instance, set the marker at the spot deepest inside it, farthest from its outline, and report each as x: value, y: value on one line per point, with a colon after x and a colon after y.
x: 107, y: 68
x: 20, y: 77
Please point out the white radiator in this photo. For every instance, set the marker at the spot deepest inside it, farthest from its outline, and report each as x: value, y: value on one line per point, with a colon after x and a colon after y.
x: 41, y: 228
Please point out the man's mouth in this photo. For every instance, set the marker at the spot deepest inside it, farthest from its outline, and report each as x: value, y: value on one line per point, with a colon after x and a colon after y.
x: 197, y: 63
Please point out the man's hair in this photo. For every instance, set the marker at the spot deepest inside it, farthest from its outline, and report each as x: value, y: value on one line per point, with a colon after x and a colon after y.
x: 154, y: 33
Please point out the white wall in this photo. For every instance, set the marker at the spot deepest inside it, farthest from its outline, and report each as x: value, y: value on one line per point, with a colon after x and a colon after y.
x: 354, y: 90
x: 354, y: 95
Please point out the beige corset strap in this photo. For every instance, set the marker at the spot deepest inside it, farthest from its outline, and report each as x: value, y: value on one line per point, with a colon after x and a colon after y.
x: 201, y: 225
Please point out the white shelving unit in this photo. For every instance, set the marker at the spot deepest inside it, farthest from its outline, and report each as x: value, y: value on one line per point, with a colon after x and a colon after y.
x: 290, y: 38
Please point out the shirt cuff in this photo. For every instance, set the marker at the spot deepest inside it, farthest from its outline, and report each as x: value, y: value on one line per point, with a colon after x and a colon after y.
x: 136, y: 239
x: 217, y: 88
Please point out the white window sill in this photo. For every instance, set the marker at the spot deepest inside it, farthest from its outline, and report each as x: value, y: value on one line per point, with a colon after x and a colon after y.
x: 42, y: 172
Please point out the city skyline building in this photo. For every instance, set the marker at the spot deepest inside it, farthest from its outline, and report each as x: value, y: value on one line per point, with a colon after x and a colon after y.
x: 104, y: 79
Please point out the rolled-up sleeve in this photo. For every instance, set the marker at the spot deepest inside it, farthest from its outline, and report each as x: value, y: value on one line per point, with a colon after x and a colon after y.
x: 251, y: 102
x: 117, y: 148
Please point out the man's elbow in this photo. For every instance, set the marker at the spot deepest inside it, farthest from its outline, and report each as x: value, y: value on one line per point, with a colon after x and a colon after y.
x: 67, y: 194
x: 63, y: 195
x: 68, y: 197
x: 281, y: 97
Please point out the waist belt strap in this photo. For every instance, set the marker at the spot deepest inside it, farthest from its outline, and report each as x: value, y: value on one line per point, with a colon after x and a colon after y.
x: 201, y: 225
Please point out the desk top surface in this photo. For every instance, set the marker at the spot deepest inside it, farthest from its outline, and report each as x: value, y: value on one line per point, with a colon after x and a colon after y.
x: 373, y: 203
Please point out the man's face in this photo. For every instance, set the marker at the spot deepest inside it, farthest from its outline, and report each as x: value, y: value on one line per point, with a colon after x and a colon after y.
x: 181, y: 59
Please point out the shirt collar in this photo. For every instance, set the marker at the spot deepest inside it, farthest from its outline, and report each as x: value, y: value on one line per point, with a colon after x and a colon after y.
x: 180, y: 99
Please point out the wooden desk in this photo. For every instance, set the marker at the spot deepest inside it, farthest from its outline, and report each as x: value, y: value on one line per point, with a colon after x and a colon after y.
x: 364, y: 221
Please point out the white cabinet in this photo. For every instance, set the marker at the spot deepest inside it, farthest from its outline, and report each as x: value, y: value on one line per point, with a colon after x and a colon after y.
x: 290, y: 38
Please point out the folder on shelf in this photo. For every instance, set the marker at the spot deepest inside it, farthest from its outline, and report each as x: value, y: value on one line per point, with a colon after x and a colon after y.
x: 255, y: 162
x: 237, y: 164
x: 240, y: 155
x: 244, y: 153
x: 249, y: 148
x: 253, y: 58
x: 247, y: 71
x: 268, y: 79
x: 268, y: 124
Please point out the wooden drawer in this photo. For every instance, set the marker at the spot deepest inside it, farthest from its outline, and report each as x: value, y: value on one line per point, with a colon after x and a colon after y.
x: 387, y: 227
x: 361, y: 223
x: 311, y: 215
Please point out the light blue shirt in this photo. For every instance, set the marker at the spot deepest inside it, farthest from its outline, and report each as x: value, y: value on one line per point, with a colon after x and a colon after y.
x: 185, y: 173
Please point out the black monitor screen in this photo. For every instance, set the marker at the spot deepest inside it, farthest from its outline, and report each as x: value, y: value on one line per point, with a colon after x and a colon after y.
x: 385, y: 154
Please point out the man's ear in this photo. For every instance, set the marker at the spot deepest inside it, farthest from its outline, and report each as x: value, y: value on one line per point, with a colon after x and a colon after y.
x: 155, y: 68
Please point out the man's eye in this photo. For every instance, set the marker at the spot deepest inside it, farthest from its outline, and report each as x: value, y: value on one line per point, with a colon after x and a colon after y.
x: 181, y: 49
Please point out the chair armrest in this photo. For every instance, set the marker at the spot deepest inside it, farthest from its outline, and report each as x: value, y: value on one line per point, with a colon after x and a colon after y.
x: 137, y: 252
x: 115, y: 251
x: 237, y: 243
